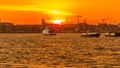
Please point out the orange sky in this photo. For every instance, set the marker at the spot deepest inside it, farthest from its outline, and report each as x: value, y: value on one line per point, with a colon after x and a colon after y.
x: 32, y: 11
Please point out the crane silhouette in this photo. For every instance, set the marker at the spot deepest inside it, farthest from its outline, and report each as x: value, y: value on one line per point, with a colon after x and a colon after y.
x: 78, y: 18
x: 103, y: 20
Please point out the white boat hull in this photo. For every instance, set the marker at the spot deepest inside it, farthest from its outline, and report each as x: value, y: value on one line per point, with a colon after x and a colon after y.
x: 90, y: 35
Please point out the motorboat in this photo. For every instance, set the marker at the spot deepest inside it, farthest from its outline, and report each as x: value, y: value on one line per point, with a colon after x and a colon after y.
x: 90, y: 34
x: 46, y: 31
x: 112, y: 34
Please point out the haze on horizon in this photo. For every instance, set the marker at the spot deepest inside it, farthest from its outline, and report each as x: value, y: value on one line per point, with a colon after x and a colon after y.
x: 32, y: 11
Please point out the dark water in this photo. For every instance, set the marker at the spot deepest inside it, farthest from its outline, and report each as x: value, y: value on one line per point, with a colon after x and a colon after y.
x: 66, y: 49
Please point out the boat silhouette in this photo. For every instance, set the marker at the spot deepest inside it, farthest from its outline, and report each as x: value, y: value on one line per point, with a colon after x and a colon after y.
x: 90, y: 34
x: 112, y: 34
x: 47, y: 31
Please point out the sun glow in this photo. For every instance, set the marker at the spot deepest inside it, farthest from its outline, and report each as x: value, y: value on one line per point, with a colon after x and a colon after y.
x: 57, y: 22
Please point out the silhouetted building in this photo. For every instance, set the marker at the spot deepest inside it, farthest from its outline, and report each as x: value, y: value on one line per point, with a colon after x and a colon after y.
x: 28, y: 28
x: 6, y: 27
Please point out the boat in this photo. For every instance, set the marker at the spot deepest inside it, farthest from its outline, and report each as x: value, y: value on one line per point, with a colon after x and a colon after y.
x: 112, y: 34
x: 90, y: 34
x: 46, y: 31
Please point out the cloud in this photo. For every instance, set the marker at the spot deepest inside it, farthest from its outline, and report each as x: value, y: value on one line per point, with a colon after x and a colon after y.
x: 18, y: 2
x: 45, y: 7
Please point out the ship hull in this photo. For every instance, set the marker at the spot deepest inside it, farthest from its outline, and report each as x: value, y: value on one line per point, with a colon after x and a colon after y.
x: 50, y: 34
x: 117, y: 34
x: 90, y: 35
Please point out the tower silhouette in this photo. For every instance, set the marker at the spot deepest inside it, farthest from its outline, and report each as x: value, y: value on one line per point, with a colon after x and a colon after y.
x: 43, y: 21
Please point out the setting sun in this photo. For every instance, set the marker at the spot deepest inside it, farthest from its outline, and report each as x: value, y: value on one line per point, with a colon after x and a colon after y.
x: 57, y: 21
x: 31, y: 11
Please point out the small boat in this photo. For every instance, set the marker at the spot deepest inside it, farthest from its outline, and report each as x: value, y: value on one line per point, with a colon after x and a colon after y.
x: 113, y: 34
x: 90, y: 34
x: 46, y: 31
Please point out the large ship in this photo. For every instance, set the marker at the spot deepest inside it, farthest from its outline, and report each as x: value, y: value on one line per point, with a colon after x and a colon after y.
x: 90, y: 34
